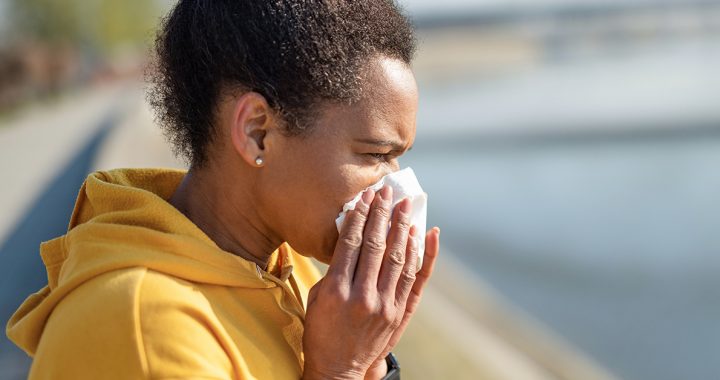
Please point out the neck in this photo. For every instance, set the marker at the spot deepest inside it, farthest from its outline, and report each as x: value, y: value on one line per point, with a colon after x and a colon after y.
x: 224, y: 211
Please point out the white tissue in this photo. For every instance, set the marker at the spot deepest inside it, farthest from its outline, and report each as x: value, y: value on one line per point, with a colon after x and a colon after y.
x: 404, y: 185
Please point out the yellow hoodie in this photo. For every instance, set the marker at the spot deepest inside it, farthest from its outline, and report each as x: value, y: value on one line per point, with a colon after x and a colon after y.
x: 137, y: 291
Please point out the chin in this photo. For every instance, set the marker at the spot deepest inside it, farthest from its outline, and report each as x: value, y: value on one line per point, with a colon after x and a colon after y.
x: 321, y: 248
x: 322, y: 255
x: 317, y: 242
x: 325, y: 258
x: 327, y: 246
x: 325, y: 252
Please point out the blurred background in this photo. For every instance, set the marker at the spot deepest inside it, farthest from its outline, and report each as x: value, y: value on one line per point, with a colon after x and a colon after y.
x: 570, y: 150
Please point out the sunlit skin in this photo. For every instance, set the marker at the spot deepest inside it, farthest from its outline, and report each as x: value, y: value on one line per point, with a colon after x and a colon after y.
x: 299, y: 189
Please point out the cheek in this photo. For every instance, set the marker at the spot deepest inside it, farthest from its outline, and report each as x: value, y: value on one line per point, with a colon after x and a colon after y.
x: 353, y: 180
x: 334, y: 187
x: 318, y: 205
x: 309, y: 191
x: 338, y: 188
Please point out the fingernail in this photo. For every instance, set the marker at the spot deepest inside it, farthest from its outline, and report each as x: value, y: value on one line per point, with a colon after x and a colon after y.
x: 438, y: 231
x: 367, y: 196
x: 405, y: 206
x: 386, y: 193
x: 413, y: 231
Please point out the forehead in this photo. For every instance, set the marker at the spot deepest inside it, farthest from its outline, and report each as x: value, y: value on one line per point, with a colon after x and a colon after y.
x: 387, y: 109
x: 389, y: 80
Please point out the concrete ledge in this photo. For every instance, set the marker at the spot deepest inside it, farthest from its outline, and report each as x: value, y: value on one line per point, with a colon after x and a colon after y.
x: 466, y: 330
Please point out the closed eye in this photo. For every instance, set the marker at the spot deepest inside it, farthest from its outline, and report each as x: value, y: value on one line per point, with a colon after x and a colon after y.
x: 379, y: 156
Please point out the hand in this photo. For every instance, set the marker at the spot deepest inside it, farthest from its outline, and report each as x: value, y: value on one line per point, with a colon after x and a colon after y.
x: 355, y: 310
x: 432, y: 248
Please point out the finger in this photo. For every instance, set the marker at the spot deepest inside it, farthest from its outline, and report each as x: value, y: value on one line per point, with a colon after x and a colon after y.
x: 432, y: 248
x: 394, y: 258
x: 431, y: 252
x: 408, y: 276
x: 347, y: 249
x: 373, y: 243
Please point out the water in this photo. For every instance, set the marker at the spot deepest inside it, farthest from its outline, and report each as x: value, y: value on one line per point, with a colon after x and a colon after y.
x: 613, y: 242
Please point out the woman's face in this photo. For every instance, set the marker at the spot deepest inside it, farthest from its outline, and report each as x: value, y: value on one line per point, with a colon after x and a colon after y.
x: 350, y: 147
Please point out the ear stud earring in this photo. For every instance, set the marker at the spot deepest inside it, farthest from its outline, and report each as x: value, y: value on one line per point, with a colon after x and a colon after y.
x: 259, y: 161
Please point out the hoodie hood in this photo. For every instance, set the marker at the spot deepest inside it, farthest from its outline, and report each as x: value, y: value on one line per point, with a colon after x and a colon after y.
x: 122, y: 219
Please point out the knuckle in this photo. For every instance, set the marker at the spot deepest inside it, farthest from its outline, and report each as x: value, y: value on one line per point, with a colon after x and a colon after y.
x: 403, y: 224
x: 381, y: 212
x: 359, y: 214
x: 412, y: 245
x: 375, y: 243
x: 361, y: 209
x: 351, y: 240
x: 336, y: 294
x: 396, y: 255
x: 408, y: 277
x: 363, y: 305
x: 388, y: 315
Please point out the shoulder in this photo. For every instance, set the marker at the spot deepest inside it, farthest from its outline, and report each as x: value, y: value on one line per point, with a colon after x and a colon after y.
x: 92, y: 330
x: 134, y: 323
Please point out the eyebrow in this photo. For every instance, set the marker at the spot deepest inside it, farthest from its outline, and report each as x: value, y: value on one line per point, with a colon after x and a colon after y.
x: 396, y: 146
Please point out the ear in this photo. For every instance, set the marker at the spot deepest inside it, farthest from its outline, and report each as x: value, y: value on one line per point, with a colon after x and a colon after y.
x: 252, y: 119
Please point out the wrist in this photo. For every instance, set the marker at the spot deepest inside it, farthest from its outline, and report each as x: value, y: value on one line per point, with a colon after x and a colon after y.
x: 393, y: 367
x: 377, y: 370
x: 310, y: 373
x: 386, y: 368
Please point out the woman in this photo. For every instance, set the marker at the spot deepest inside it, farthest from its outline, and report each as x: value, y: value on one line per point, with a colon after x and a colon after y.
x: 285, y: 110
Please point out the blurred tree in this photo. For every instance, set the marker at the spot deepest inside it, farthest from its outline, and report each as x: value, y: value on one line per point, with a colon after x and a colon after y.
x: 127, y: 22
x: 49, y: 45
x: 46, y: 20
x: 99, y: 25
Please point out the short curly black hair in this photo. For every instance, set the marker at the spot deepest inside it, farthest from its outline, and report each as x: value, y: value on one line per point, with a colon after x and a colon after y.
x: 296, y: 53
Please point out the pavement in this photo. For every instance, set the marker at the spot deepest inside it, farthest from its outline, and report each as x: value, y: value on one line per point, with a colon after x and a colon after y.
x: 38, y: 141
x: 45, y: 152
x: 462, y: 330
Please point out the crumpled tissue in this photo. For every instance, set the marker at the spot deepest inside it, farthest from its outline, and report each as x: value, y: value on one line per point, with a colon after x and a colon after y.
x: 404, y: 185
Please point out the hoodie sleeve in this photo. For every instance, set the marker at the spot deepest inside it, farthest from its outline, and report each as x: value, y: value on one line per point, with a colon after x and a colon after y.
x: 116, y: 326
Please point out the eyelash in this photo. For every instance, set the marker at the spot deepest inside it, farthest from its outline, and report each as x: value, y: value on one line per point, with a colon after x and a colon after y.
x: 379, y: 156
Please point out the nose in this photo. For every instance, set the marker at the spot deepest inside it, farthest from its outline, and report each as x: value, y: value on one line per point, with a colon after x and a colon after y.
x: 388, y: 170
x: 394, y: 167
